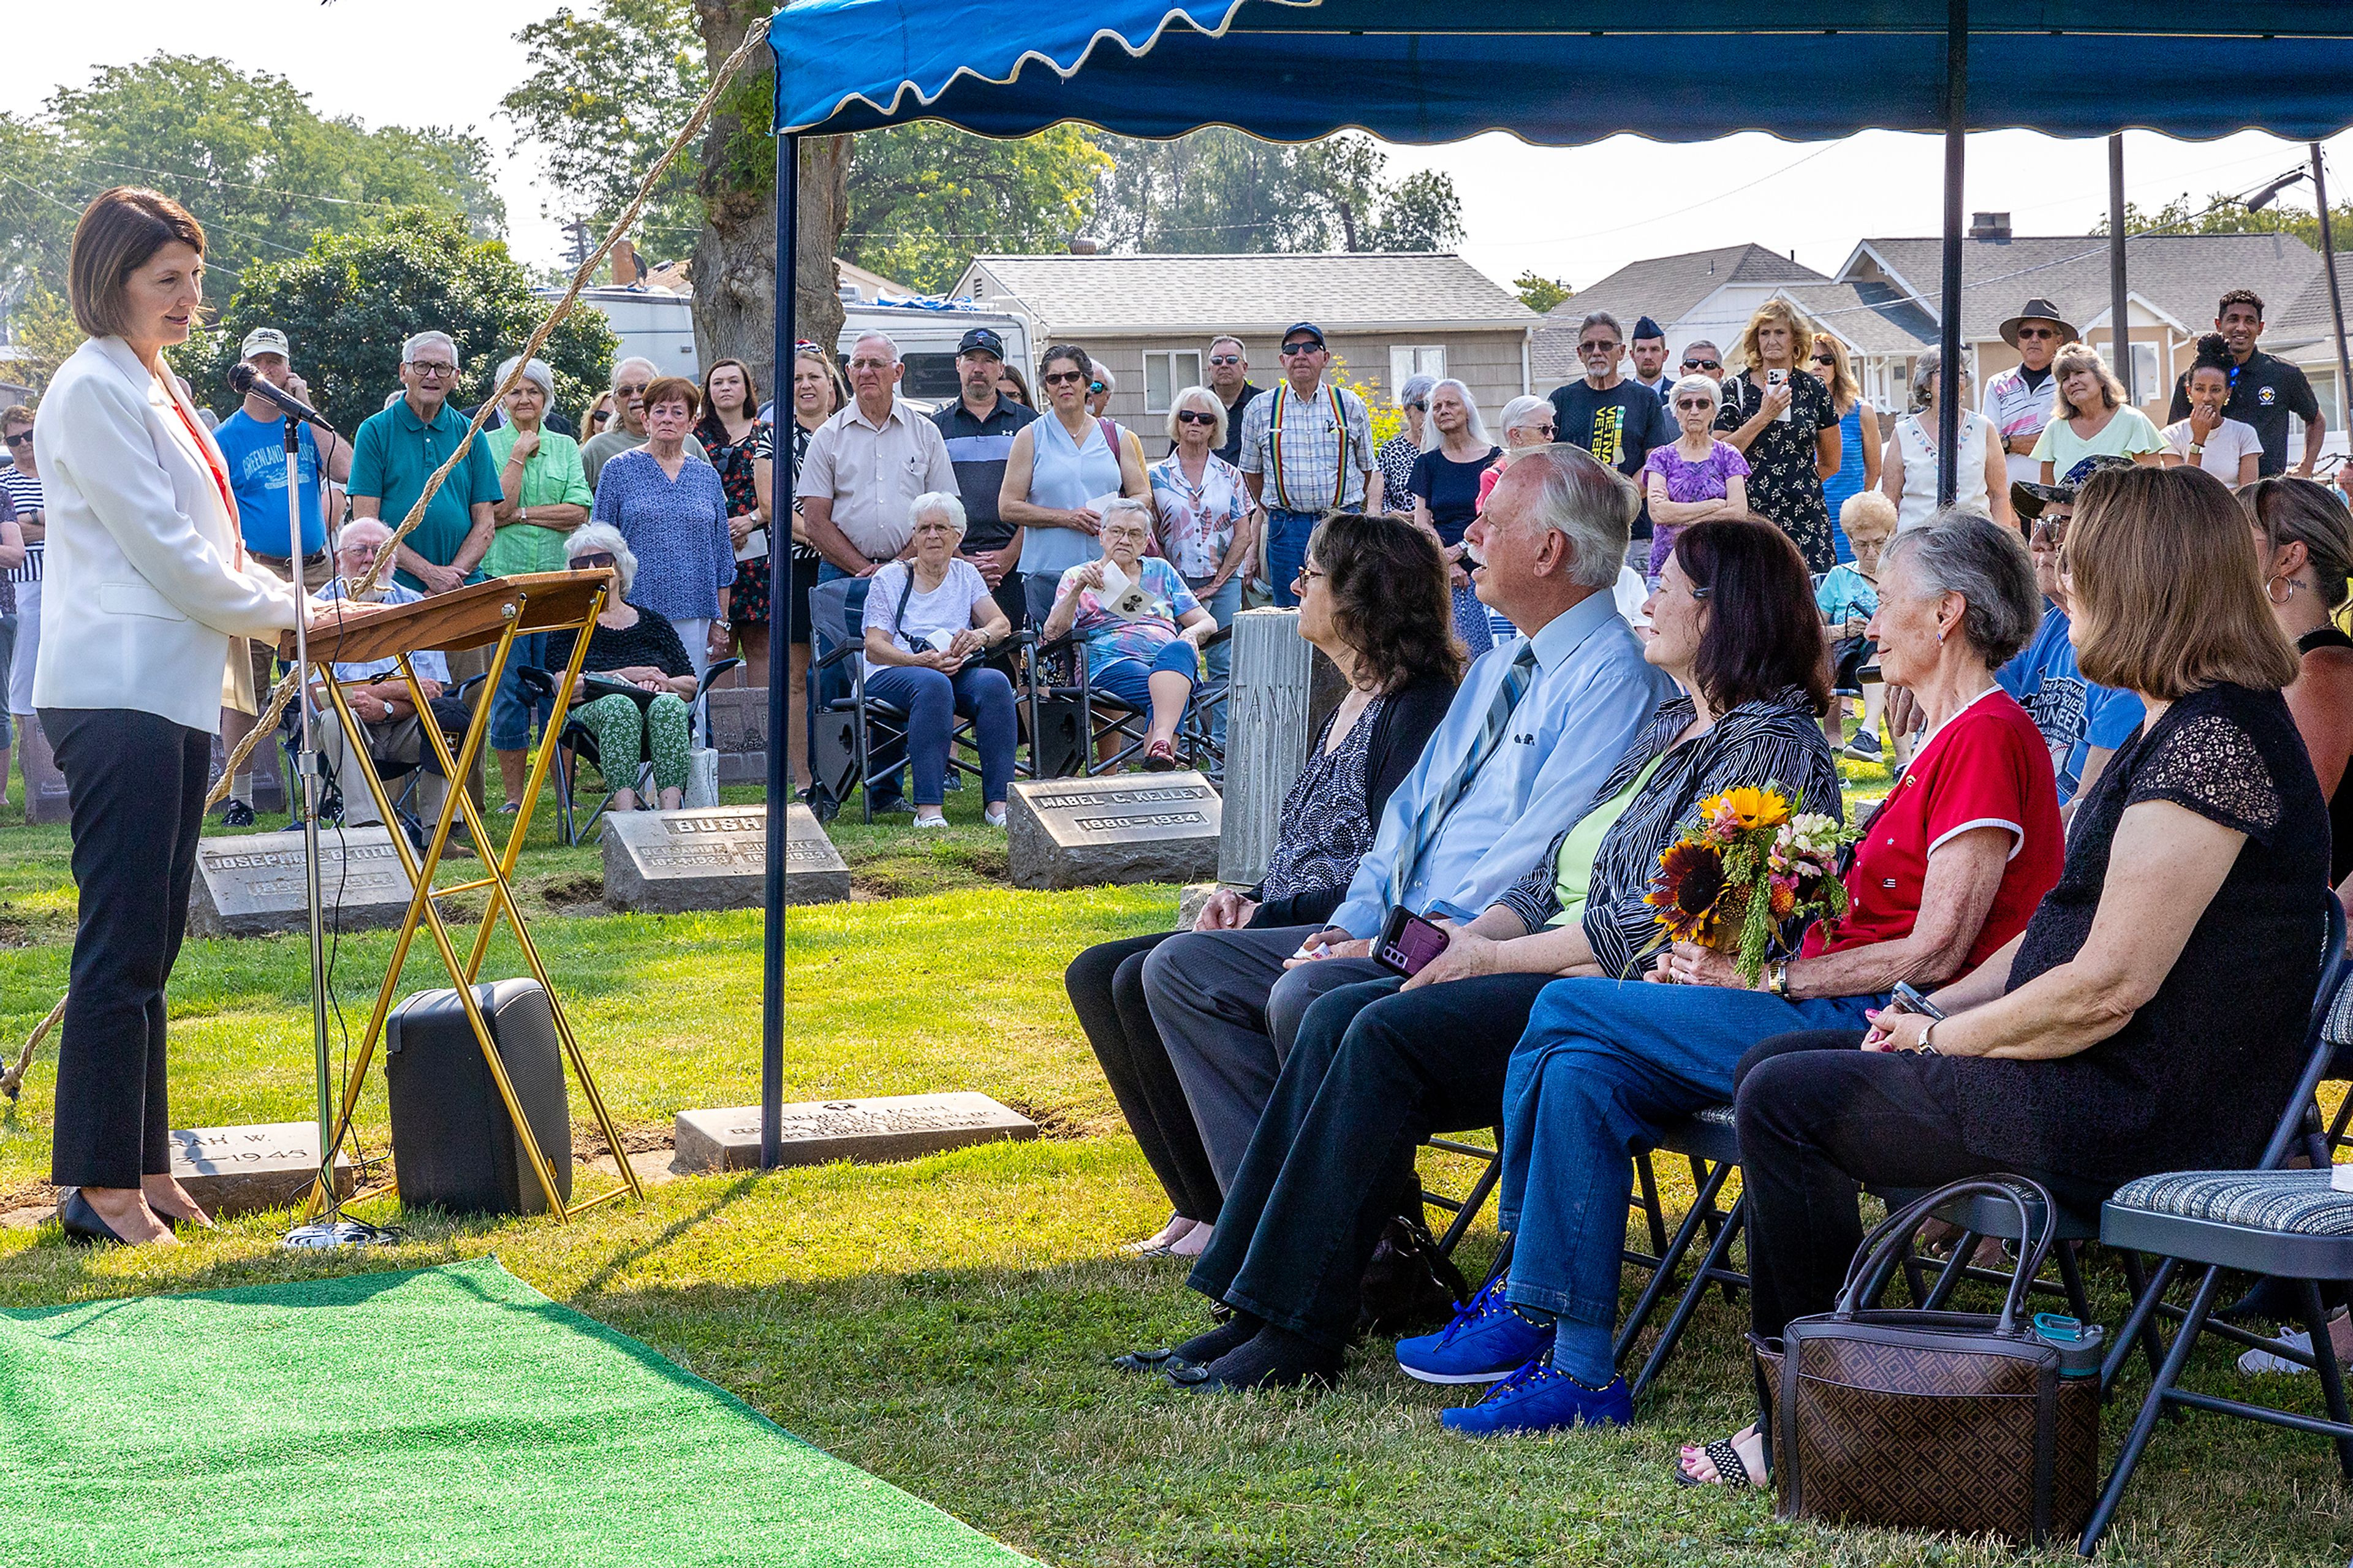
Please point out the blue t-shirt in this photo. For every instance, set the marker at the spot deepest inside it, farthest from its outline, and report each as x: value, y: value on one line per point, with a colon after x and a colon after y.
x: 2073, y: 715
x: 1845, y: 595
x: 256, y: 472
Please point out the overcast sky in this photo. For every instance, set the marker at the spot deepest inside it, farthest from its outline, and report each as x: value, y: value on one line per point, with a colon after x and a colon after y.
x: 1575, y: 214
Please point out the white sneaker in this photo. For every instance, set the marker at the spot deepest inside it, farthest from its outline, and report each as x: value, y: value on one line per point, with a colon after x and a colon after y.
x: 931, y: 822
x: 2258, y: 1364
x: 993, y: 818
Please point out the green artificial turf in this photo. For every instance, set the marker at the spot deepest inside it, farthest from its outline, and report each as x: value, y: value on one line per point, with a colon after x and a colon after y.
x: 449, y: 1415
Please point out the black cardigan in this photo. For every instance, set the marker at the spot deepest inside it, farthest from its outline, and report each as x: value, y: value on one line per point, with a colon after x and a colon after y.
x: 1401, y: 729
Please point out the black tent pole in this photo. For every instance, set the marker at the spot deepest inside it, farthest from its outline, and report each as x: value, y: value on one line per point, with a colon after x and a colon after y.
x: 2335, y: 300
x: 1948, y: 353
x: 2119, y: 299
x: 780, y: 649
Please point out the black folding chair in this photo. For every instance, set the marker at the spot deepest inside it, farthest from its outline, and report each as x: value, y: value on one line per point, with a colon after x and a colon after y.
x: 861, y: 740
x: 1708, y: 1141
x: 576, y: 743
x: 2287, y: 1224
x: 1465, y: 1208
x: 1071, y: 719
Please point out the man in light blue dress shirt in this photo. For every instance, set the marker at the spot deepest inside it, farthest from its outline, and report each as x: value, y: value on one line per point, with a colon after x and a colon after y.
x: 1496, y: 782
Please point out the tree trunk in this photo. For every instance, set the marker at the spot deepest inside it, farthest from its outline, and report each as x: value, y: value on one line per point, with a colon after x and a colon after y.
x: 735, y: 258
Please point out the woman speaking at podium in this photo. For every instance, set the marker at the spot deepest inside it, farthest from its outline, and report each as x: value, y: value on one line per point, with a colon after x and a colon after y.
x: 147, y: 596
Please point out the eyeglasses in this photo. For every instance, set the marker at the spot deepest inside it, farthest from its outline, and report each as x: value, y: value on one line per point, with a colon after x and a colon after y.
x: 631, y: 389
x: 430, y: 369
x: 1306, y: 574
x: 594, y: 558
x: 1422, y: 406
x: 1225, y: 360
x: 1545, y: 428
x: 1194, y: 417
x: 1597, y: 346
x: 23, y: 438
x: 871, y: 363
x: 1826, y: 359
x: 1063, y: 377
x: 2051, y: 530
x: 1703, y: 405
x: 2037, y: 333
x: 1294, y: 351
x: 1703, y: 365
x: 1094, y: 386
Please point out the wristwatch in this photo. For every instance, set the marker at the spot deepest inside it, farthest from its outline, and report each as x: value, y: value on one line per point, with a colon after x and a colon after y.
x: 2197, y: 448
x: 1777, y: 979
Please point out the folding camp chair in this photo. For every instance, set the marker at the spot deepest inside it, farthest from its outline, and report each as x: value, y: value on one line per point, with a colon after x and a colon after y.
x: 576, y: 743
x: 1077, y: 729
x: 861, y: 740
x: 2287, y: 1225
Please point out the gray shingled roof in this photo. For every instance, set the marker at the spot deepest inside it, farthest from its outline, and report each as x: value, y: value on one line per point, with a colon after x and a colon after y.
x: 1873, y: 316
x: 1665, y: 288
x: 1258, y: 294
x: 2181, y: 274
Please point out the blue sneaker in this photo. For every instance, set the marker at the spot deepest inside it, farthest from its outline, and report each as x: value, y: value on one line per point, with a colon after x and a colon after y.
x: 1486, y: 1342
x: 1536, y: 1398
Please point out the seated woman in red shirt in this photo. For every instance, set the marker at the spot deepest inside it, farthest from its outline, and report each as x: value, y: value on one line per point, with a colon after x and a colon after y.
x: 1949, y: 868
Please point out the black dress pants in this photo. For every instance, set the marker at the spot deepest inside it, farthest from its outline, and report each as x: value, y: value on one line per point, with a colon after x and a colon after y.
x: 138, y: 782
x: 1106, y: 987
x: 1372, y: 1071
x: 1817, y: 1119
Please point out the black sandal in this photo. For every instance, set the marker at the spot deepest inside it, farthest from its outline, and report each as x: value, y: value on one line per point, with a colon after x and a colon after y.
x: 1731, y: 1470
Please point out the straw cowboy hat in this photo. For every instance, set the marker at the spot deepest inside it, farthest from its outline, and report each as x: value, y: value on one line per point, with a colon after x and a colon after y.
x: 2038, y: 310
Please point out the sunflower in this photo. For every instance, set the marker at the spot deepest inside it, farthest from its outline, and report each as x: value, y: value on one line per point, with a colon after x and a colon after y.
x: 1747, y: 809
x: 1690, y: 882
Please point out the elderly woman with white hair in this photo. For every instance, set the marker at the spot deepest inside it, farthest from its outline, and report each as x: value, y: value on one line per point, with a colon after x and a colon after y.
x: 1204, y: 518
x: 638, y: 646
x: 929, y: 621
x: 1142, y: 626
x: 544, y: 495
x: 1455, y: 456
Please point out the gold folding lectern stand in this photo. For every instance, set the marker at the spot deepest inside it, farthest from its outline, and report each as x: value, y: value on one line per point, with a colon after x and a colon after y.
x: 485, y: 615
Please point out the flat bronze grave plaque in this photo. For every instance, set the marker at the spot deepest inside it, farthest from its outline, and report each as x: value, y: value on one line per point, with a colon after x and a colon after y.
x: 667, y: 862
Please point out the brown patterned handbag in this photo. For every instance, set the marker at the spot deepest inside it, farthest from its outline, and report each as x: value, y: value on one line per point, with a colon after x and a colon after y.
x: 1939, y: 1421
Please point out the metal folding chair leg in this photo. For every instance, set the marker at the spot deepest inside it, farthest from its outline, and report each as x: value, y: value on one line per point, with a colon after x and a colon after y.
x: 1711, y: 1270
x: 1703, y: 1211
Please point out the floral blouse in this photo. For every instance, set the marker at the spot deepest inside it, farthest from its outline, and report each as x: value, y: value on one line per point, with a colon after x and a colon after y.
x: 1783, y: 484
x: 1195, y: 523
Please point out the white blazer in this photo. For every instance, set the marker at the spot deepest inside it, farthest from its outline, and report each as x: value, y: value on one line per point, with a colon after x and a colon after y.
x: 145, y: 591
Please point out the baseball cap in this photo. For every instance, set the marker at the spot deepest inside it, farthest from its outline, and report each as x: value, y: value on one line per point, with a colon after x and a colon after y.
x: 983, y: 340
x: 264, y: 341
x: 1309, y: 327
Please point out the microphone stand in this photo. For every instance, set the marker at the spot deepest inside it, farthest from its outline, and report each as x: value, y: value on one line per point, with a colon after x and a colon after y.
x: 331, y: 1228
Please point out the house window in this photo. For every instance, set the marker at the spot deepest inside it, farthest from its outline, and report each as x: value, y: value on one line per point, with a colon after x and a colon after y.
x: 1166, y: 373
x: 1409, y: 360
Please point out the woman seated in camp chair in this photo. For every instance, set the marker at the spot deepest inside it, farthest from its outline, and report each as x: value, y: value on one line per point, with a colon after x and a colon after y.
x: 1142, y: 626
x: 641, y: 648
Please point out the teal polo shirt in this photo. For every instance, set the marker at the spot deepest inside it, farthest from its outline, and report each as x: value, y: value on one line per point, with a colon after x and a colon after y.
x: 396, y: 452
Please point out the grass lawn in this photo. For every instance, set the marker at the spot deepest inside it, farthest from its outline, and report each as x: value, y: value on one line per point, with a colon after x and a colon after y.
x: 946, y: 1323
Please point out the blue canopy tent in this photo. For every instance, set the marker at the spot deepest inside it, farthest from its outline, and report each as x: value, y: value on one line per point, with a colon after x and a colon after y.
x: 1421, y: 71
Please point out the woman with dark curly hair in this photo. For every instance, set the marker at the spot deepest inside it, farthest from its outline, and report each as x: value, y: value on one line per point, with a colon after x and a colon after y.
x: 1373, y: 599
x: 1377, y: 1068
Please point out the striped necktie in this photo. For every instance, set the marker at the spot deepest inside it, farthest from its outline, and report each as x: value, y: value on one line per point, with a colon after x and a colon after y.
x: 1441, y: 805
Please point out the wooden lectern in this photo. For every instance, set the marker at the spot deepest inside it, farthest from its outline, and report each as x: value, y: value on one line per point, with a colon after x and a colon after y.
x: 483, y: 615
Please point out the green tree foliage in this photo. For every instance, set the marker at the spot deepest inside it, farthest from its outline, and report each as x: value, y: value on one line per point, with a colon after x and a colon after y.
x: 246, y: 153
x: 2221, y: 214
x: 349, y: 303
x: 1221, y: 190
x: 608, y: 88
x: 924, y: 197
x: 1540, y: 293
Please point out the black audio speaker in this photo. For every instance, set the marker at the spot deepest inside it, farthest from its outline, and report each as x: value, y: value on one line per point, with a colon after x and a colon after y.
x: 454, y: 1146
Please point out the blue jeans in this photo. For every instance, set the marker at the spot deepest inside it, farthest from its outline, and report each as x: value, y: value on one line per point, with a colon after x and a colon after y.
x: 1603, y: 1068
x: 510, y: 715
x: 1129, y: 679
x: 1286, y: 550
x: 932, y: 699
x: 1221, y: 605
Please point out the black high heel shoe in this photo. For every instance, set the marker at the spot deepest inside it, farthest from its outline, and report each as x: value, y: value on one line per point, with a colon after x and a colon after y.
x: 84, y: 1223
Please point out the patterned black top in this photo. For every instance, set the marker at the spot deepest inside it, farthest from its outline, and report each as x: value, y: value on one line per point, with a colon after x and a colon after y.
x: 652, y: 642
x: 1783, y: 484
x: 1773, y: 740
x: 1325, y: 829
x: 2196, y: 1079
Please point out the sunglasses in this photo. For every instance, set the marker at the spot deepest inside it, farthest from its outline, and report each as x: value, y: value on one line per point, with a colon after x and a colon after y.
x: 1702, y: 404
x: 594, y: 558
x: 23, y: 439
x: 1222, y: 360
x: 1097, y: 386
x: 1703, y: 365
x: 1064, y: 377
x: 1423, y: 407
x: 1194, y: 417
x: 1293, y: 351
x: 1826, y: 359
x: 2051, y: 530
x: 2036, y: 332
x: 1597, y: 346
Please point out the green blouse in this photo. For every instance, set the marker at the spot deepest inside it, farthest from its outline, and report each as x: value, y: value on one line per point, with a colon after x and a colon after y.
x: 1574, y: 871
x: 551, y: 476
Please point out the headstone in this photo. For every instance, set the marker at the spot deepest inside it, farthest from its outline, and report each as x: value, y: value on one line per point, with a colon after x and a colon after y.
x: 46, y: 797
x: 269, y: 792
x: 1267, y: 736
x: 665, y: 862
x: 1129, y: 827
x: 738, y: 732
x: 1189, y: 899
x: 252, y: 884
x: 244, y: 1170
x: 890, y: 1127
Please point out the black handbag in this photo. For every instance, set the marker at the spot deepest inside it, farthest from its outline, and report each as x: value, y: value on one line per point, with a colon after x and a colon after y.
x: 1940, y: 1421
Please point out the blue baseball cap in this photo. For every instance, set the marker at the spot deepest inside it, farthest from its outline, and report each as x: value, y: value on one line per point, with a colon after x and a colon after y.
x: 1309, y: 327
x: 983, y: 339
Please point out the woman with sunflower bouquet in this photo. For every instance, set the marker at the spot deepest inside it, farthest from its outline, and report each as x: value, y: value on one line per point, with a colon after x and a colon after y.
x: 1372, y: 1071
x: 1946, y: 871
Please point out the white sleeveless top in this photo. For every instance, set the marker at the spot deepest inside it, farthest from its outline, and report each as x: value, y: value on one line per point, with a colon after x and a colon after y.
x: 1066, y: 474
x: 1919, y: 502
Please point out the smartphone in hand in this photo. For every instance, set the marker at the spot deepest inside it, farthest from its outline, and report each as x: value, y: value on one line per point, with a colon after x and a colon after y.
x: 1408, y: 942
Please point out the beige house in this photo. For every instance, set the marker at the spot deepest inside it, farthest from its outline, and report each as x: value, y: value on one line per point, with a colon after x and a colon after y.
x: 1387, y: 316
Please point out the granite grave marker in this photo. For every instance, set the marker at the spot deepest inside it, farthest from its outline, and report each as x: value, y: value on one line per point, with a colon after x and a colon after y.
x: 888, y: 1127
x: 244, y: 1170
x: 253, y: 885
x: 666, y: 862
x: 1132, y: 827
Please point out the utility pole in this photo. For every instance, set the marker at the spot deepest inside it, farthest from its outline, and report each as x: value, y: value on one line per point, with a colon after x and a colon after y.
x: 584, y: 243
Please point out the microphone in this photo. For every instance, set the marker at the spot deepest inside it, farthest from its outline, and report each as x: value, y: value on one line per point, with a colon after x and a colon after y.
x: 244, y: 380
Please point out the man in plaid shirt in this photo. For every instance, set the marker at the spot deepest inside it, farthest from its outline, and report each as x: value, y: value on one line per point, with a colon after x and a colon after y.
x: 1310, y: 445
